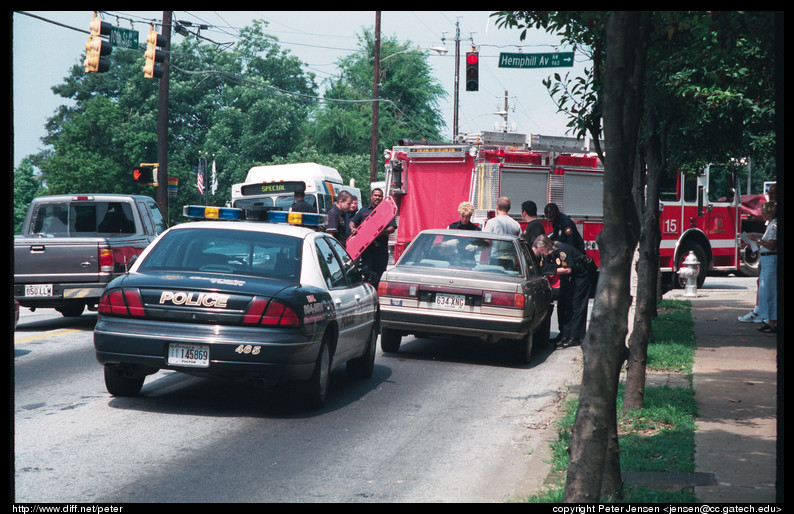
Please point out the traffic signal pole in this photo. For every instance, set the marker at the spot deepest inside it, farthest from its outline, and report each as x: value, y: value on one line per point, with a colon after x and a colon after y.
x: 162, y: 121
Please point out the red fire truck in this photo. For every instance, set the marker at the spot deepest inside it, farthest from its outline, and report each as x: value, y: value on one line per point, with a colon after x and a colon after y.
x: 428, y: 181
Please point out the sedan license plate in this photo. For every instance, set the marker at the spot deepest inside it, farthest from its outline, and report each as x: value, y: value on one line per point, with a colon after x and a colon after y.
x: 194, y: 355
x: 38, y: 290
x: 455, y: 302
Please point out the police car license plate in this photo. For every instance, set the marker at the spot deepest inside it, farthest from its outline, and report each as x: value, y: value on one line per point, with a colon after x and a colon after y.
x: 38, y: 290
x: 194, y: 355
x: 451, y: 301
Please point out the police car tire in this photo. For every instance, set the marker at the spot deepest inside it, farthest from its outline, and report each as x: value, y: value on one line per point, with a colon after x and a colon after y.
x: 390, y: 340
x: 316, y: 389
x: 362, y: 367
x: 120, y: 384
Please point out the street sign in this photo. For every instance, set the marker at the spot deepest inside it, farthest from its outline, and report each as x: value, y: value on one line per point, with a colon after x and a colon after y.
x: 124, y: 38
x: 547, y: 60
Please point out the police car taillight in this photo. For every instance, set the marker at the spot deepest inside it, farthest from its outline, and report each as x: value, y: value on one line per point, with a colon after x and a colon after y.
x: 122, y: 302
x: 271, y: 313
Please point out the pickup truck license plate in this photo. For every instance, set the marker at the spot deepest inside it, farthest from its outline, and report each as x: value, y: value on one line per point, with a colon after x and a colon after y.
x: 195, y: 355
x: 451, y: 301
x: 38, y: 290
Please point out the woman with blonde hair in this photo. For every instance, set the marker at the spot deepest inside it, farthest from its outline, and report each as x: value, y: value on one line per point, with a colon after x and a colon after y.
x: 465, y: 209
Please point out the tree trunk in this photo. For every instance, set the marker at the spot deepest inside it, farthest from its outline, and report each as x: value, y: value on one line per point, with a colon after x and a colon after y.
x: 647, y: 269
x: 594, y: 467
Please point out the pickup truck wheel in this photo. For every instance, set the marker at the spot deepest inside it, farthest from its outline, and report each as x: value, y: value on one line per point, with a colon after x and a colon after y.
x: 71, y: 311
x: 119, y: 383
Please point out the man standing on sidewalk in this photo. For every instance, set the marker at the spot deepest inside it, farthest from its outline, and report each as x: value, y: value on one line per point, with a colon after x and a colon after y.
x: 502, y: 223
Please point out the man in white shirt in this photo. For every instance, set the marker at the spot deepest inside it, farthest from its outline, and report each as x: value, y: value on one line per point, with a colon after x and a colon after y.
x: 502, y: 223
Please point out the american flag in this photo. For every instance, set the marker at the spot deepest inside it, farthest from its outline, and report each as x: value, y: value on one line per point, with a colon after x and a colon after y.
x: 200, y: 179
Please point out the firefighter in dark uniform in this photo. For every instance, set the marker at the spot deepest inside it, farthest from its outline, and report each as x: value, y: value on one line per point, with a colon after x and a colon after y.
x: 575, y: 273
x: 563, y: 228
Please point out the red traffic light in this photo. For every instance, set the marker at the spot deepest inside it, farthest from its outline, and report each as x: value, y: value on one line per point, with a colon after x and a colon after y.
x: 472, y: 58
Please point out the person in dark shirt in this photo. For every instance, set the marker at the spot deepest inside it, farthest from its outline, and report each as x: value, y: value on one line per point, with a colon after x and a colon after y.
x: 301, y: 205
x: 575, y: 281
x: 563, y: 228
x: 465, y: 209
x: 529, y: 213
x: 375, y: 258
x: 350, y: 214
x: 335, y: 223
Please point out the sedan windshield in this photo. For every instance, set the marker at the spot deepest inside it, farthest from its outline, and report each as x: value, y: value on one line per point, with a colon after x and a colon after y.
x: 463, y: 252
x: 228, y: 251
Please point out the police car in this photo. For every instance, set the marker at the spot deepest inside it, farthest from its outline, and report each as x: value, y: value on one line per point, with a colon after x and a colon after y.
x: 270, y: 302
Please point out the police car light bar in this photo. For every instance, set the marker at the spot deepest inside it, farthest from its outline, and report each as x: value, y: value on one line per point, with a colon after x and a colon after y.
x: 211, y: 213
x: 297, y: 218
x: 200, y: 212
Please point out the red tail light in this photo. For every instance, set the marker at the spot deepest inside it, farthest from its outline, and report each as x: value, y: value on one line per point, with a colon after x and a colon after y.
x: 106, y: 261
x: 118, y: 302
x: 517, y: 300
x: 397, y: 289
x: 275, y: 314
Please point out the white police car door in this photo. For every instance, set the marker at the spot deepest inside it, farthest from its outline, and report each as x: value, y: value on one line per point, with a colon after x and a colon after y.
x: 347, y: 295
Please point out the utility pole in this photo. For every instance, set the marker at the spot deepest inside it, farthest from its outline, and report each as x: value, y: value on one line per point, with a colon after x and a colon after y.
x: 373, y: 149
x: 162, y: 121
x: 457, y: 74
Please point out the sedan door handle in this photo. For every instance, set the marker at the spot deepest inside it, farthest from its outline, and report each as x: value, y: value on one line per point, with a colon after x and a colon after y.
x: 338, y: 301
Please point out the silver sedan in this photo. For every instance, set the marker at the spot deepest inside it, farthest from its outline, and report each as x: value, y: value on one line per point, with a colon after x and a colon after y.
x: 465, y: 283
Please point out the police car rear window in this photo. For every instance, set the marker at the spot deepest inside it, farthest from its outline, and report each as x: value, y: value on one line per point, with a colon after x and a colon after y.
x: 228, y: 251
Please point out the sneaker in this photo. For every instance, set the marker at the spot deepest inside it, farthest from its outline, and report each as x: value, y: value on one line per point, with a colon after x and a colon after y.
x: 750, y: 317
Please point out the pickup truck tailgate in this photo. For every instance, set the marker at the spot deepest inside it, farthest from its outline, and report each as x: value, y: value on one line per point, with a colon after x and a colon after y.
x: 38, y: 260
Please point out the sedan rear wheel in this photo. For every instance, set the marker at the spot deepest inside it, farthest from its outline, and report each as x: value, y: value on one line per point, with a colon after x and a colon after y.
x: 524, y: 348
x: 120, y: 383
x: 390, y: 340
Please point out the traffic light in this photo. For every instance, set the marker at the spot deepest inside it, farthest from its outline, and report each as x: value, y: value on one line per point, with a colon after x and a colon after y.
x: 145, y: 174
x: 153, y: 55
x: 472, y: 71
x: 96, y: 47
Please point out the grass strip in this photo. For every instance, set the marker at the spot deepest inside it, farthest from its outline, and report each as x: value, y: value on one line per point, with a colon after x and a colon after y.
x: 658, y: 437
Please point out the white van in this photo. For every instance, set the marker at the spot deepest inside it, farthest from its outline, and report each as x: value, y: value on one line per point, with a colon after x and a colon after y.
x: 275, y: 186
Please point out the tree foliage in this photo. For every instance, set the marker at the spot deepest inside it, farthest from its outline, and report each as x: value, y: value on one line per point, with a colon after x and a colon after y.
x: 247, y: 105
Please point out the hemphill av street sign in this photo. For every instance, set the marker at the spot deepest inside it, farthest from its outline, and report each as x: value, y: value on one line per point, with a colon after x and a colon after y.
x: 548, y: 60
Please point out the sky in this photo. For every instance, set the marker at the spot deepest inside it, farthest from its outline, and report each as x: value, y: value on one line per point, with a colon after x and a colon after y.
x: 43, y: 53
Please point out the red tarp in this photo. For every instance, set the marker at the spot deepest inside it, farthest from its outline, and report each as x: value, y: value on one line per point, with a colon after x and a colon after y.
x: 432, y: 195
x: 751, y: 204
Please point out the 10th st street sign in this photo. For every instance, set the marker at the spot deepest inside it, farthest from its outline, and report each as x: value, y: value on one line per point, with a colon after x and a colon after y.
x: 547, y: 60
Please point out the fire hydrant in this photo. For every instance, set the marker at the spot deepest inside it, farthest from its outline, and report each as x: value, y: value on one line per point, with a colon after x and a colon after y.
x: 689, y: 272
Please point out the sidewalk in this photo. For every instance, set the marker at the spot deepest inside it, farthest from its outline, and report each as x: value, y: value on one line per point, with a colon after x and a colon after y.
x: 735, y: 382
